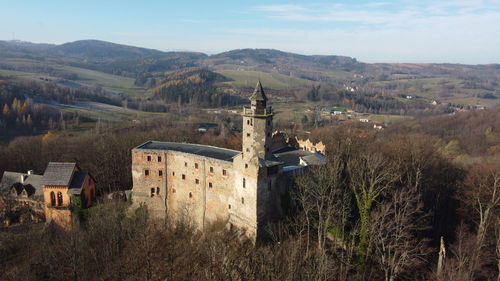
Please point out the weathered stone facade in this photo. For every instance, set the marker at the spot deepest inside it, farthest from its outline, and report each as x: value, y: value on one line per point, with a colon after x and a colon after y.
x: 203, y: 184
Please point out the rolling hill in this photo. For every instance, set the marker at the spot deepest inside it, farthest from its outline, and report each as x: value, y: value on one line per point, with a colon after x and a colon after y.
x: 282, y: 71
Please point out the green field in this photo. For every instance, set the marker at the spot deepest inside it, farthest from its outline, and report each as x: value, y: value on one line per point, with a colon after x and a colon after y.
x: 110, y: 82
x: 247, y: 79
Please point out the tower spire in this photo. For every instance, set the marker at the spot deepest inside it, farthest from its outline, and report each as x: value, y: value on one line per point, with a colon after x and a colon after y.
x: 258, y: 93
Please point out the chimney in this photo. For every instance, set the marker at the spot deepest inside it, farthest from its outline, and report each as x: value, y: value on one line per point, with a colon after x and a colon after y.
x: 30, y: 172
x: 23, y: 177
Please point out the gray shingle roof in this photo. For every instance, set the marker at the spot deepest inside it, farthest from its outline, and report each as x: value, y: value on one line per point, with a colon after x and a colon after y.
x: 198, y: 149
x: 11, y: 178
x: 77, y: 183
x: 258, y: 93
x: 293, y: 157
x: 58, y: 174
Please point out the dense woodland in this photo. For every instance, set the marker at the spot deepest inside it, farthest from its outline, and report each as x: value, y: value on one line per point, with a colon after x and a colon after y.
x: 376, y: 211
x: 195, y: 87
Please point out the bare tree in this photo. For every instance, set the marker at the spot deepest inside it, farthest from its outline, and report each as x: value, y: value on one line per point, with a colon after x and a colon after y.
x: 319, y: 193
x: 394, y: 233
x: 369, y: 177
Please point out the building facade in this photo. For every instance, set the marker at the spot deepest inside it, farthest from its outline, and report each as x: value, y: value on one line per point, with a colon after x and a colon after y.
x: 202, y: 184
x: 65, y: 184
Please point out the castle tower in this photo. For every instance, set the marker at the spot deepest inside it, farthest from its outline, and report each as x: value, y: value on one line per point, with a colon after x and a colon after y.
x: 255, y: 169
x: 257, y: 126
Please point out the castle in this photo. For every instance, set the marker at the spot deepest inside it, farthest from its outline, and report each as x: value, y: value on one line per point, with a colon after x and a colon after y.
x: 204, y: 184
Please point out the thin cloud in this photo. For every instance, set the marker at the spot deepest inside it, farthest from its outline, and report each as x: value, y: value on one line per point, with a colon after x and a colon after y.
x: 379, y: 13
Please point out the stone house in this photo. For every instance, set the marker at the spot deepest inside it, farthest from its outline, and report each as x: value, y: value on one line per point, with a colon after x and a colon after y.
x: 202, y: 184
x: 65, y: 184
x: 22, y: 188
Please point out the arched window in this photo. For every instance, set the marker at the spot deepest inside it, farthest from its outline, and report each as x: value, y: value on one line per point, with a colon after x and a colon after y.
x: 59, y: 199
x: 52, y: 198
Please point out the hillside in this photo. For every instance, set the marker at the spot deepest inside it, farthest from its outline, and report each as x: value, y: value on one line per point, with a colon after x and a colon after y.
x: 292, y: 74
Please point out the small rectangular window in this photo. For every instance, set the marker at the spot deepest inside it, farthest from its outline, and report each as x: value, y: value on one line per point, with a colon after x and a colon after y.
x: 146, y: 172
x: 183, y: 176
x: 152, y: 191
x: 244, y: 183
x: 160, y: 173
x: 248, y: 135
x: 224, y: 172
x: 149, y: 158
x: 173, y: 174
x: 211, y: 169
x: 246, y: 166
x: 185, y: 164
x: 197, y: 181
x: 159, y: 158
x: 196, y: 165
x: 210, y: 185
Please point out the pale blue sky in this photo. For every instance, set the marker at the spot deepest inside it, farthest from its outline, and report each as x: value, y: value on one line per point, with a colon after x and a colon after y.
x: 461, y: 31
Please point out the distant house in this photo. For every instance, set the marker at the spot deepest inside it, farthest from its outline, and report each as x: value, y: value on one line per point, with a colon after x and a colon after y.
x: 337, y: 113
x: 409, y: 97
x: 65, y: 184
x: 364, y: 120
x: 378, y: 126
x: 22, y: 188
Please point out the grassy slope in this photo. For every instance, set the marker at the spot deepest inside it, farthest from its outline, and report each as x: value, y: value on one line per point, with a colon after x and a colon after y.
x: 85, y: 76
x: 432, y: 89
x: 245, y: 78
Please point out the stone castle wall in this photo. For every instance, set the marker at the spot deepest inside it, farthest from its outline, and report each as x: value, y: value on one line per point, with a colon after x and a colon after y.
x: 192, y: 188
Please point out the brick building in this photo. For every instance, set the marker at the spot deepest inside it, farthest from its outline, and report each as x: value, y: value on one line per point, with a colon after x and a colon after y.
x: 65, y: 184
x: 203, y: 184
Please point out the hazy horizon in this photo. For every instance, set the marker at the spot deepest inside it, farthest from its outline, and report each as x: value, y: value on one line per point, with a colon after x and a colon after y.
x: 391, y: 31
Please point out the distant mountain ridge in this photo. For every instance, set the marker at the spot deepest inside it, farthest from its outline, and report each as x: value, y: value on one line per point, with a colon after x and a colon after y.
x: 116, y: 56
x: 137, y: 62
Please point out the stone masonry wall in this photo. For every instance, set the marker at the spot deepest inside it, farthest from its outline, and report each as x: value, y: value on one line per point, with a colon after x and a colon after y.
x: 193, y: 188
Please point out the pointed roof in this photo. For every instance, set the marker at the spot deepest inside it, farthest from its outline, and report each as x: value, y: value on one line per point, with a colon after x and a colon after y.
x: 258, y: 93
x: 59, y: 174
